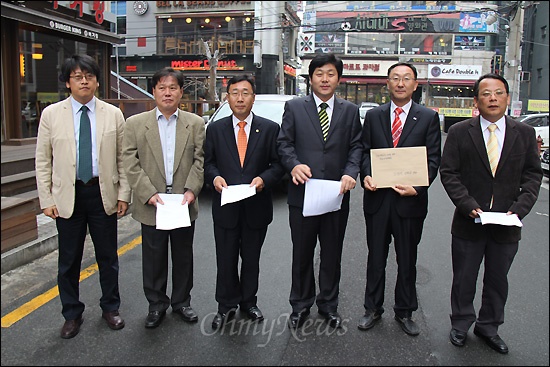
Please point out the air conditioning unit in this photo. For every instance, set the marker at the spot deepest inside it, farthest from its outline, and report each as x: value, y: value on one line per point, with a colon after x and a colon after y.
x: 525, y: 76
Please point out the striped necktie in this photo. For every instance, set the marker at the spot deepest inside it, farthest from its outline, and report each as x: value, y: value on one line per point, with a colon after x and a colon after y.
x: 323, y: 117
x: 396, y: 127
x: 492, y: 148
x: 85, y: 147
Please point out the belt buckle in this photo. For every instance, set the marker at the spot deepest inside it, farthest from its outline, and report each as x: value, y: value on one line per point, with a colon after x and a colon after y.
x: 168, y: 189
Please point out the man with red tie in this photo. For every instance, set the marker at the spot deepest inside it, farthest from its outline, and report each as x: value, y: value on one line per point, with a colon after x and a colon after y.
x: 240, y: 149
x: 398, y: 211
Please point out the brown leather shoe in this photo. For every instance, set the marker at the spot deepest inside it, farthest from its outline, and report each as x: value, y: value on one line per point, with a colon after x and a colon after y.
x: 71, y: 328
x: 114, y: 321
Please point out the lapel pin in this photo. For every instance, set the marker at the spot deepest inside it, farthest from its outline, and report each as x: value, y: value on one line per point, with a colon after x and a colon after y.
x: 414, y: 118
x: 257, y: 130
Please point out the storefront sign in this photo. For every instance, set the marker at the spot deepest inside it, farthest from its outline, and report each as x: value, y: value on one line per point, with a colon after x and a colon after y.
x: 462, y: 72
x: 98, y: 8
x: 455, y: 112
x: 289, y: 70
x: 203, y: 5
x: 204, y: 65
x: 537, y: 105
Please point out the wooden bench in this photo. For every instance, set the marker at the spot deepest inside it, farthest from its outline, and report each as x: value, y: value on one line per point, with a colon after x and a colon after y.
x: 19, y: 224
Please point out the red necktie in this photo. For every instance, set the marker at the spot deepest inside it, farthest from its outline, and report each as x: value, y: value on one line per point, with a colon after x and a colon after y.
x: 241, y: 141
x: 396, y: 127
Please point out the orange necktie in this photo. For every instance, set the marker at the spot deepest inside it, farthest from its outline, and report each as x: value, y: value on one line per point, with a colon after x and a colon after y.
x: 397, y: 127
x: 241, y: 141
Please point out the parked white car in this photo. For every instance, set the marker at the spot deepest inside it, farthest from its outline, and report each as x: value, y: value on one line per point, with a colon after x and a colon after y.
x: 539, y: 121
x: 365, y: 106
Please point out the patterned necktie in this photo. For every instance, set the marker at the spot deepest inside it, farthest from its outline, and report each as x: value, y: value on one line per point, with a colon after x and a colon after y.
x: 396, y: 127
x: 492, y: 148
x: 85, y: 147
x: 241, y: 141
x: 323, y: 117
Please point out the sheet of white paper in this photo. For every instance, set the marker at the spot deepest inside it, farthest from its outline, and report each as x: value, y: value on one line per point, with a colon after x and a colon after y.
x: 321, y: 196
x: 499, y: 218
x: 172, y: 214
x: 234, y: 193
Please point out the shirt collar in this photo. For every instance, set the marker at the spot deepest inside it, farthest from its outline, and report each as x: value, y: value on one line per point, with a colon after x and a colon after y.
x: 77, y: 105
x: 501, y: 123
x: 406, y: 108
x: 158, y: 114
x: 318, y: 101
x: 248, y: 120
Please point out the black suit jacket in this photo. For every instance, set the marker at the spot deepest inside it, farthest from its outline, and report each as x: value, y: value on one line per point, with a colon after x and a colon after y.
x: 466, y: 176
x: 221, y: 158
x: 301, y: 142
x: 421, y: 129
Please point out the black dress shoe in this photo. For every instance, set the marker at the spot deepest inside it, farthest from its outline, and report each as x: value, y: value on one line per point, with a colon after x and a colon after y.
x: 221, y: 318
x: 333, y: 319
x: 187, y: 314
x: 71, y: 328
x: 408, y: 325
x: 154, y: 319
x: 255, y: 314
x: 369, y: 319
x: 113, y: 319
x: 458, y: 337
x: 297, y: 319
x: 494, y: 342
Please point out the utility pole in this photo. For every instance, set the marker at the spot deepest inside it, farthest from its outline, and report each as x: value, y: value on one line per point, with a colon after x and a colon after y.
x: 213, y: 65
x: 281, y: 63
x: 513, y: 68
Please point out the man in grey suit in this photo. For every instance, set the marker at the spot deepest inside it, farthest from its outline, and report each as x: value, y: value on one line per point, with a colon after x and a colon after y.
x: 320, y: 138
x: 82, y: 185
x: 163, y: 153
x: 398, y: 211
x: 478, y: 180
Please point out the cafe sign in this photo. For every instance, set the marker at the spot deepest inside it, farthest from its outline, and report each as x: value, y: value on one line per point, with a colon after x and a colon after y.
x: 461, y: 72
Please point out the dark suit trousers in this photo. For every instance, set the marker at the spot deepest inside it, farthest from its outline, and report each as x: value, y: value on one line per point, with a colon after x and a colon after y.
x: 467, y: 257
x: 246, y: 242
x: 88, y: 214
x: 155, y: 266
x: 330, y: 228
x: 406, y: 237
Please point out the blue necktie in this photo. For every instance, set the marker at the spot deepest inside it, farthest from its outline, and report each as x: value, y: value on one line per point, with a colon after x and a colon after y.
x: 85, y: 147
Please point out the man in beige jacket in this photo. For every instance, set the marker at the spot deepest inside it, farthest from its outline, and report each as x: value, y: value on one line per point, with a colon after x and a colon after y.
x: 163, y: 153
x: 82, y: 185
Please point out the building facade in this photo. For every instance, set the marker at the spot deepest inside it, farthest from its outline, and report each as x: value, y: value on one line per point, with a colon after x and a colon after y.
x: 37, y: 36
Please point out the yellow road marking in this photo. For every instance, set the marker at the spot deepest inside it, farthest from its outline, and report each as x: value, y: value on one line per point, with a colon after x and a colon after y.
x: 50, y: 294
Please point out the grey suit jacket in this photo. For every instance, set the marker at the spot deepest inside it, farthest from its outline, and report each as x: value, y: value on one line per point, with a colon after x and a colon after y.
x: 466, y: 176
x: 56, y: 157
x: 301, y: 141
x: 144, y: 162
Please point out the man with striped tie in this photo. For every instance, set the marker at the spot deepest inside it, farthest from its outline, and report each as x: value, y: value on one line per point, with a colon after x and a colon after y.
x: 398, y: 211
x: 489, y: 163
x: 320, y: 138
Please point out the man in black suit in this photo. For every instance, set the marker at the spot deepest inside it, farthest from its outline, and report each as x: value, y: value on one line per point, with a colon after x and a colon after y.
x: 398, y: 211
x: 507, y: 183
x: 333, y: 153
x: 240, y: 228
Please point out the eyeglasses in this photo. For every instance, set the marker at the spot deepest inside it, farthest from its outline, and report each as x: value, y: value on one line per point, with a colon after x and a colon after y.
x: 79, y: 77
x: 404, y: 79
x: 244, y: 94
x: 496, y: 93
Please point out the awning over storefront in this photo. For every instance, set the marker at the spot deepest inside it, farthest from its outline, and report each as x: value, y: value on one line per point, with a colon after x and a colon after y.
x: 48, y: 21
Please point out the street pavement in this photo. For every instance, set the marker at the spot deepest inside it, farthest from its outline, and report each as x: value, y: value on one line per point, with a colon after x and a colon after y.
x: 29, y: 298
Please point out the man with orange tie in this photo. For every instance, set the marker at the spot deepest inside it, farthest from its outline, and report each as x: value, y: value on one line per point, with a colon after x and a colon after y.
x: 240, y: 149
x: 398, y: 211
x: 490, y: 163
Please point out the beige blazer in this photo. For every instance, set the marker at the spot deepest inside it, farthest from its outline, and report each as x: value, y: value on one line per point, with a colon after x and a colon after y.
x: 56, y: 157
x: 144, y: 162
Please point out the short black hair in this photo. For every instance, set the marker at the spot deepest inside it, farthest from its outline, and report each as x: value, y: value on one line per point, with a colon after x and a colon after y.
x: 167, y: 71
x: 322, y: 59
x: 410, y: 66
x: 241, y: 78
x: 86, y: 63
x: 490, y: 76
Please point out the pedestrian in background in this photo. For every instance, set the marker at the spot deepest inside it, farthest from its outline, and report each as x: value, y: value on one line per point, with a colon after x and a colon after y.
x: 490, y: 163
x: 398, y: 211
x: 241, y: 149
x: 82, y: 185
x: 320, y: 138
x: 163, y: 153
